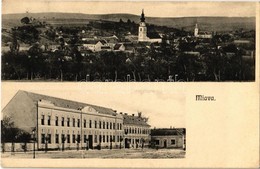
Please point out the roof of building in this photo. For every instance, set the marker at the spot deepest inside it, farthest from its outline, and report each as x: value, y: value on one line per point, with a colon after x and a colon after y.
x: 168, y: 131
x: 67, y: 103
x: 135, y: 120
x: 91, y: 42
x: 103, y: 42
x: 117, y: 46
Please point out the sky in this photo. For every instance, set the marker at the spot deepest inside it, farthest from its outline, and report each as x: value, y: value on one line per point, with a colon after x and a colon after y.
x: 155, y: 9
x: 163, y: 107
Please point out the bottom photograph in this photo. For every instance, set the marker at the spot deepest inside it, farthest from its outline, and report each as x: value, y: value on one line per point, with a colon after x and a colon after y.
x: 46, y: 124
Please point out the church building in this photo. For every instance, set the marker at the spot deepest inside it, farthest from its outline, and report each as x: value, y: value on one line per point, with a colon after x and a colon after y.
x: 203, y: 35
x: 142, y: 32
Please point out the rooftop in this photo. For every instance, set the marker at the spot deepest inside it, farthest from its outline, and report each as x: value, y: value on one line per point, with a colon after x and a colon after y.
x: 168, y: 131
x: 135, y: 120
x: 67, y: 103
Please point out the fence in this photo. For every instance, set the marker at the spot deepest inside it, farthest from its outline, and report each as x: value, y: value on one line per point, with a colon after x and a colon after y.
x: 17, y: 147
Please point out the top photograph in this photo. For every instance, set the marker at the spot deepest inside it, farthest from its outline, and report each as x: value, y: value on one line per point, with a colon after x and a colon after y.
x: 84, y: 41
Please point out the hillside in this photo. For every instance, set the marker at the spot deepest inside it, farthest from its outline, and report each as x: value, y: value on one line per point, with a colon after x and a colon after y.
x: 187, y: 23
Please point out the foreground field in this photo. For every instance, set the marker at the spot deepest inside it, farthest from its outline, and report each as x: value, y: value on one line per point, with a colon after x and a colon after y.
x: 123, y: 153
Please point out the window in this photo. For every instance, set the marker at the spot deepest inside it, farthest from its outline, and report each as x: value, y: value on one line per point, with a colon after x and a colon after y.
x: 68, y: 122
x: 114, y: 125
x: 85, y: 123
x: 95, y: 139
x: 73, y: 122
x: 157, y: 142
x: 56, y: 138
x: 104, y: 125
x: 78, y: 138
x: 107, y: 138
x: 173, y: 142
x: 117, y: 126
x: 114, y: 139
x: 100, y: 125
x: 56, y: 120
x: 73, y: 138
x: 78, y: 122
x: 62, y: 121
x: 63, y: 138
x: 68, y: 138
x: 120, y: 126
x: 43, y: 138
x: 140, y: 29
x: 110, y: 125
x: 90, y: 123
x: 49, y: 138
x: 100, y: 138
x: 49, y: 120
x: 85, y: 138
x: 42, y: 120
x: 117, y: 138
x: 95, y: 124
x: 104, y: 138
x: 107, y: 125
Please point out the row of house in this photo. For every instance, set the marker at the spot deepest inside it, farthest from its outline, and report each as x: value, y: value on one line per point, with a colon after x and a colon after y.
x: 66, y: 124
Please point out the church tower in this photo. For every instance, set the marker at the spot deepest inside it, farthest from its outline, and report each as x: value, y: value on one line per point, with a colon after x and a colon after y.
x: 196, y: 31
x: 142, y: 33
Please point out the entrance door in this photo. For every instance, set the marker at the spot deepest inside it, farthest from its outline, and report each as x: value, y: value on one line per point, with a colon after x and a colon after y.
x: 126, y: 143
x: 90, y: 141
x: 165, y: 144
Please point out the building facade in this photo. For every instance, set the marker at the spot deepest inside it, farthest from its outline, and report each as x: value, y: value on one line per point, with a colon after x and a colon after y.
x: 137, y: 131
x: 168, y: 138
x: 65, y: 124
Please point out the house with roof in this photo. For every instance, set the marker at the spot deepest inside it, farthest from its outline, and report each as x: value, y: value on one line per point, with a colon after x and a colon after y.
x: 119, y: 47
x: 65, y: 124
x: 97, y: 45
x: 136, y: 131
x: 111, y: 40
x: 168, y: 137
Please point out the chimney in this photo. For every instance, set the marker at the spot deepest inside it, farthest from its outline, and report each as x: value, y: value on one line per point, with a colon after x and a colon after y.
x: 139, y: 114
x: 133, y: 114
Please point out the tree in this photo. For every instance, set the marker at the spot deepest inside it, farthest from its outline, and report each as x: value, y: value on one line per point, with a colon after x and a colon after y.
x: 8, y: 130
x: 25, y: 20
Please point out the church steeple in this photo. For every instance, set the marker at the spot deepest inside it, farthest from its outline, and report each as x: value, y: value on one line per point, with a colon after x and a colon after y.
x: 142, y: 16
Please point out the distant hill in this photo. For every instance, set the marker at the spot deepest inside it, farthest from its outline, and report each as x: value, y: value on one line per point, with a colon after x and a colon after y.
x: 187, y: 23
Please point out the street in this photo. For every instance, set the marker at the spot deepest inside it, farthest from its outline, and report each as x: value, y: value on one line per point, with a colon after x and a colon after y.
x: 105, y: 153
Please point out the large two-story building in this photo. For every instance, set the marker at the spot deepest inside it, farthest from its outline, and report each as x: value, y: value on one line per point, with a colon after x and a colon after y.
x: 60, y: 123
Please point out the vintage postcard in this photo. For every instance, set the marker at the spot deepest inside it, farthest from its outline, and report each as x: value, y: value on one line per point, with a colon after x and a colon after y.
x: 127, y: 84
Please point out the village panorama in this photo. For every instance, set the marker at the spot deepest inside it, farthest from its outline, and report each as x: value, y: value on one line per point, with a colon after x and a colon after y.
x: 127, y: 48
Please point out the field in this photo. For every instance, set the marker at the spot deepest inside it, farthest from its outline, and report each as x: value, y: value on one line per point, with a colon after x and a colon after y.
x: 186, y: 23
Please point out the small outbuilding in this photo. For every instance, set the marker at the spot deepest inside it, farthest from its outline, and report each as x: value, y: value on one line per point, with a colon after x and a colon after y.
x: 168, y: 138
